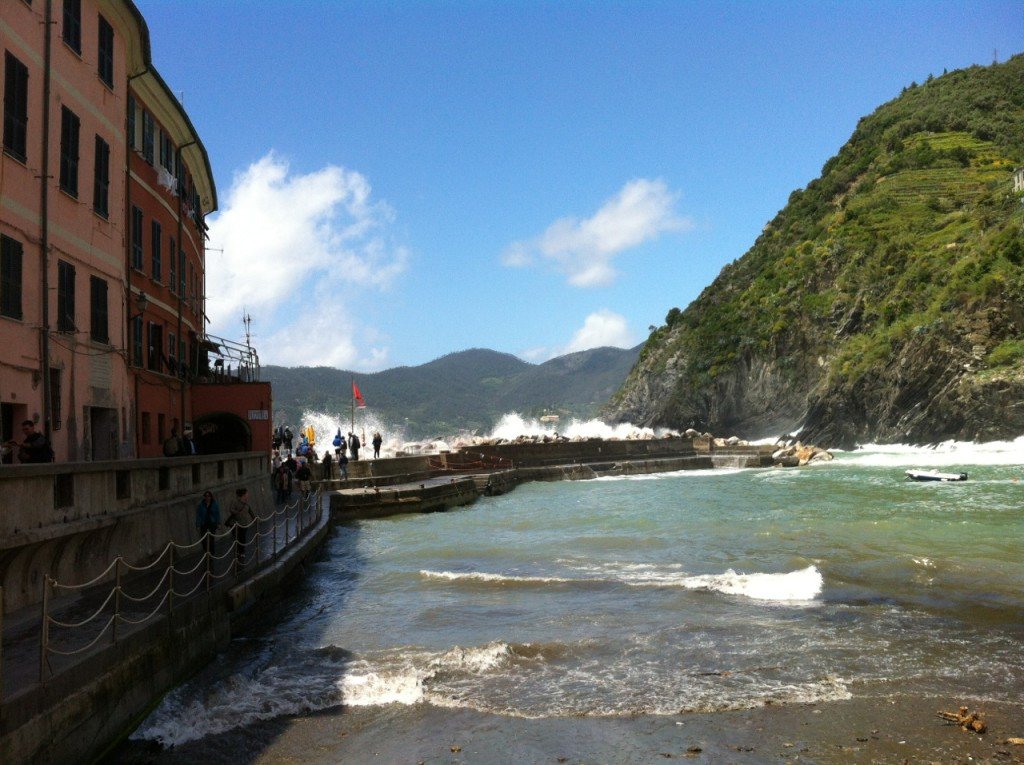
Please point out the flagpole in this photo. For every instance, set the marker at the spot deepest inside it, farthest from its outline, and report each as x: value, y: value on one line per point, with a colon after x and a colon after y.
x: 353, y: 428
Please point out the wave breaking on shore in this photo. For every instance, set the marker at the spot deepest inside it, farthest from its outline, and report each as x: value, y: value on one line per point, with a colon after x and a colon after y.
x: 803, y: 585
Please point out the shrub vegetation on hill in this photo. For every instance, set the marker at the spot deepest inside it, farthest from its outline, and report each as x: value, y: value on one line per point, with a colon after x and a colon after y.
x: 910, y: 231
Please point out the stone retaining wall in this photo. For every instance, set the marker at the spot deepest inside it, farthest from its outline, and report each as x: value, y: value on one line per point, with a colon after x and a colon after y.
x: 70, y: 520
x: 80, y: 713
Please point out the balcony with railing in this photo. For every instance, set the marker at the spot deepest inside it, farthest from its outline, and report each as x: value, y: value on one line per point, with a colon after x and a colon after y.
x: 226, y: 361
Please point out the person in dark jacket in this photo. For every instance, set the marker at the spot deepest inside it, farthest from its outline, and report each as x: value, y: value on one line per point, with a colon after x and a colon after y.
x: 283, y: 483
x: 35, y: 448
x: 208, y: 521
x: 305, y: 477
x: 377, y: 441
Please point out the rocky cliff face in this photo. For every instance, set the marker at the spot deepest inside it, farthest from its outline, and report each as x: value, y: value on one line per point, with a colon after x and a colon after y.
x: 884, y: 303
x: 936, y: 386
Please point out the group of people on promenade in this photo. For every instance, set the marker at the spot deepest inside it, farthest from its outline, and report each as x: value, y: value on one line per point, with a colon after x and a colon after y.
x: 180, y: 446
x: 288, y: 474
x: 290, y: 470
x: 287, y: 463
x: 34, y: 449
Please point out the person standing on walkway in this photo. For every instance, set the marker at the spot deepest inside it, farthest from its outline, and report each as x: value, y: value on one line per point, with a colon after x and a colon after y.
x: 207, y: 521
x: 304, y: 476
x: 377, y: 441
x: 328, y: 463
x: 188, y: 442
x: 343, y: 465
x: 241, y: 517
x: 353, y: 446
x: 283, y: 483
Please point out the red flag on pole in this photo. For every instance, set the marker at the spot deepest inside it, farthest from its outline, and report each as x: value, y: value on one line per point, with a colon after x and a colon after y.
x: 357, y: 396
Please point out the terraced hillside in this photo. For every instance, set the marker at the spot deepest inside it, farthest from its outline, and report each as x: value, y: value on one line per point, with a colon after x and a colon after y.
x: 884, y: 302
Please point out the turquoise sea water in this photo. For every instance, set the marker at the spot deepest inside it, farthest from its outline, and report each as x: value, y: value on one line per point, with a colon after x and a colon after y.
x: 698, y: 590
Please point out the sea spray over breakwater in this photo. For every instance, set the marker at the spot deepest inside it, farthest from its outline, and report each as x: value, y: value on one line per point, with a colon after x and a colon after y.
x: 509, y: 427
x: 700, y: 590
x: 513, y: 425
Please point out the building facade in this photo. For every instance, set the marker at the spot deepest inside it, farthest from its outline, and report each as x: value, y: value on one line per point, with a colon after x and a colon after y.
x: 104, y: 187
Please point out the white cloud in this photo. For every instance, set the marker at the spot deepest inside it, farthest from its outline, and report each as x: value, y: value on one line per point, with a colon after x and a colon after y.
x: 600, y: 329
x: 584, y: 249
x: 298, y: 252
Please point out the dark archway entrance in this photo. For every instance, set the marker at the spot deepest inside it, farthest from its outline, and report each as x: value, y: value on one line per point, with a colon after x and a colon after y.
x: 222, y: 433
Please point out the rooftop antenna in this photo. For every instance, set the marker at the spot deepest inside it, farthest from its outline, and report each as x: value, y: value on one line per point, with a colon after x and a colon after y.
x: 247, y: 321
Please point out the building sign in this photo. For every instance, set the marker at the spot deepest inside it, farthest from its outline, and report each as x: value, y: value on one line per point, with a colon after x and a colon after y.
x: 259, y: 414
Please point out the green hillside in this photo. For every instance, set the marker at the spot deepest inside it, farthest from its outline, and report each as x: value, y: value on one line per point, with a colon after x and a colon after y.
x: 890, y: 285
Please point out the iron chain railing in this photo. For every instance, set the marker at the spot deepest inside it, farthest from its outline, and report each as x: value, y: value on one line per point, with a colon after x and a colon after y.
x: 119, y: 607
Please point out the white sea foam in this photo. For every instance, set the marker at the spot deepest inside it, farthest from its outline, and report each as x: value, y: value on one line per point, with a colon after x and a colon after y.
x: 365, y: 685
x: 520, y: 680
x: 476, y: 659
x: 701, y: 473
x: 946, y: 454
x: 803, y: 585
x: 480, y: 576
x: 367, y: 422
x: 510, y: 426
x: 236, y: 701
x: 513, y: 425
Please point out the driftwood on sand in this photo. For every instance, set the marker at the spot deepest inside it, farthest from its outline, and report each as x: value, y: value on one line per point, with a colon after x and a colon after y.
x: 968, y: 721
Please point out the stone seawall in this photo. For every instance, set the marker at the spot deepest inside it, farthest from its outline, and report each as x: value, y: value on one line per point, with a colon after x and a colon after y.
x: 68, y: 521
x: 568, y: 452
x: 80, y: 712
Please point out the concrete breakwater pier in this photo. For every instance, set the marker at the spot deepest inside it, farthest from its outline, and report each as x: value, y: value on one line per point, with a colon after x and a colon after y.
x: 68, y: 699
x: 427, y: 483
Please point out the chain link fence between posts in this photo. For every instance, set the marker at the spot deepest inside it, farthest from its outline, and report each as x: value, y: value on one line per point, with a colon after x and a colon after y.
x: 141, y: 593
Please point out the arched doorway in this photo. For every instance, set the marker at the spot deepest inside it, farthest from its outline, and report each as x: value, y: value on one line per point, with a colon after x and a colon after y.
x: 222, y: 433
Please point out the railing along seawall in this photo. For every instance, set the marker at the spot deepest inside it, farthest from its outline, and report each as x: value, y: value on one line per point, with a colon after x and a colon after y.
x: 72, y: 626
x: 69, y: 520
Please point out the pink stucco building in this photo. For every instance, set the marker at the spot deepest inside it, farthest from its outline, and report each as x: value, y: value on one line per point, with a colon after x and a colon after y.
x: 104, y: 188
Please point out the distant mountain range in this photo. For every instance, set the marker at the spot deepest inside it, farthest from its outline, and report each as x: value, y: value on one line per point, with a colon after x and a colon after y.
x: 464, y: 391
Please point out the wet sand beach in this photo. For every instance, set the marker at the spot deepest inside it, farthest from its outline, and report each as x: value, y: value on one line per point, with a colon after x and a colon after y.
x: 857, y: 731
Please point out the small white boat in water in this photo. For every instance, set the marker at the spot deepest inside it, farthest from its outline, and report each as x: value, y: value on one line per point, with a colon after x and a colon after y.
x: 934, y: 475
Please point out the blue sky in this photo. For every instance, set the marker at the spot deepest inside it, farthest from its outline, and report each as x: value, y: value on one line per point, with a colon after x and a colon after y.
x: 400, y: 180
